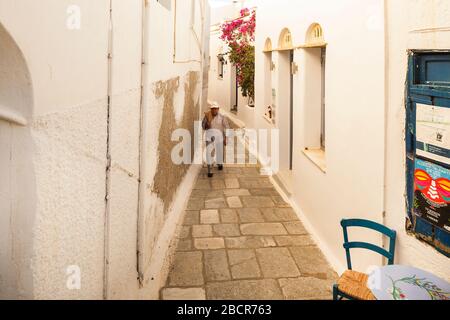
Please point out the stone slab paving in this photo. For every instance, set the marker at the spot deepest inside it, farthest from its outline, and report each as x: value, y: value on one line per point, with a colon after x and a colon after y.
x: 241, y: 241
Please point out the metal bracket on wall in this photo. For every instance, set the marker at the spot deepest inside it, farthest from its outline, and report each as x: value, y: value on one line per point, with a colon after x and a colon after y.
x: 294, y: 68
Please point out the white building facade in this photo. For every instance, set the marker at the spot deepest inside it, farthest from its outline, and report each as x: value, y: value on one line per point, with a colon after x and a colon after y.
x: 90, y: 92
x: 334, y: 74
x: 222, y: 74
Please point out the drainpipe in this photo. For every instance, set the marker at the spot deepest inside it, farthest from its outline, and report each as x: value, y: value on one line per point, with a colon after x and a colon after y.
x: 386, y: 113
x: 108, y: 158
x: 143, y: 142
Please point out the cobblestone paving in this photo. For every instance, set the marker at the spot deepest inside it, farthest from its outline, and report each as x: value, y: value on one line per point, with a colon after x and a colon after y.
x: 240, y: 240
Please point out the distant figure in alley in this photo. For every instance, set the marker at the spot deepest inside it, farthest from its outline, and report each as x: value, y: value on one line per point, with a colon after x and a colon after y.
x: 216, y: 126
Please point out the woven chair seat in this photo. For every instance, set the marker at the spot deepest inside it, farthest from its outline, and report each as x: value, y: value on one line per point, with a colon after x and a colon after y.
x: 354, y: 284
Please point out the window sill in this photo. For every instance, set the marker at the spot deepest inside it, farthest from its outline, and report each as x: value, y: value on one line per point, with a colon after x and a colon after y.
x: 317, y: 156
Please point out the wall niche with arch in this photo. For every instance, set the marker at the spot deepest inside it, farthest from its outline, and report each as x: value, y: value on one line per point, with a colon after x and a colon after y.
x: 285, y: 41
x: 17, y: 173
x: 315, y: 36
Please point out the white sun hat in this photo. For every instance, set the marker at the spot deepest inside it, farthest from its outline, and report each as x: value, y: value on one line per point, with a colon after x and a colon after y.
x: 213, y: 105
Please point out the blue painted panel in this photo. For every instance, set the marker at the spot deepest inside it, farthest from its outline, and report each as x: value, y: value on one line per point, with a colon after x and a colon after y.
x: 424, y: 91
x: 442, y: 102
x: 433, y: 68
x: 423, y: 227
x: 437, y: 71
x: 442, y: 239
x: 428, y: 83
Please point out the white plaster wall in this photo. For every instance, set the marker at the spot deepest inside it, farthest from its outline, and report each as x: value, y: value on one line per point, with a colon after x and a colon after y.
x: 405, y: 19
x: 53, y: 65
x: 125, y: 137
x: 66, y: 143
x: 220, y: 90
x: 163, y: 62
x: 353, y: 183
x: 356, y: 88
x: 358, y: 155
x: 283, y: 83
x: 206, y: 57
x: 18, y: 199
x: 17, y: 196
x: 57, y: 214
x: 223, y: 90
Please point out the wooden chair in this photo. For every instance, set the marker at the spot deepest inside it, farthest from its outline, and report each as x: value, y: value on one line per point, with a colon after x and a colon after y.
x: 352, y: 285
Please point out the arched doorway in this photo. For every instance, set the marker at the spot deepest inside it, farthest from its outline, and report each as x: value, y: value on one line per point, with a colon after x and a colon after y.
x: 17, y: 204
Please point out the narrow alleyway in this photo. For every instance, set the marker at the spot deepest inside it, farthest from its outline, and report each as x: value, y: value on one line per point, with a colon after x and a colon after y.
x: 240, y: 240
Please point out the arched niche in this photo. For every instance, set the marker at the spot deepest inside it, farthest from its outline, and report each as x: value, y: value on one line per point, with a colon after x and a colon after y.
x: 315, y: 36
x: 15, y: 82
x: 17, y: 172
x: 268, y: 45
x: 285, y: 41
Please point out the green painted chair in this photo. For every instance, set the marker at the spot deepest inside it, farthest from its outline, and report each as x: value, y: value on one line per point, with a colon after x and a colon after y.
x: 352, y: 285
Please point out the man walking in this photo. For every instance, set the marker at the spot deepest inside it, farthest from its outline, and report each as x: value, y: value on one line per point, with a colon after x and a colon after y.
x: 215, y: 125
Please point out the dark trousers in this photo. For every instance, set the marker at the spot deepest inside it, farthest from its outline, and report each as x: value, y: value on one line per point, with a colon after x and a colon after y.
x: 214, y: 148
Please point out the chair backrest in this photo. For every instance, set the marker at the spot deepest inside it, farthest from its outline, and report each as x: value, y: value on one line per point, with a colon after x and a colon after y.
x: 364, y: 245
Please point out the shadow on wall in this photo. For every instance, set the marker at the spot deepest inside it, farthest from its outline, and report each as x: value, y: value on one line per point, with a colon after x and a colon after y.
x: 17, y: 176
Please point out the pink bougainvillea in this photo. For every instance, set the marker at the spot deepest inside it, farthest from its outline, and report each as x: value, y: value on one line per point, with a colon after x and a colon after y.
x: 239, y: 35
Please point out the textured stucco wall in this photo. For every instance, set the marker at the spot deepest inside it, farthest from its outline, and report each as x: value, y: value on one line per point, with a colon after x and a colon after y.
x: 58, y: 209
x: 57, y: 165
x: 70, y: 162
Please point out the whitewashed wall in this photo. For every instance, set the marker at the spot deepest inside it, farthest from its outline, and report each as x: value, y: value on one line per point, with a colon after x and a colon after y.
x: 365, y: 115
x: 53, y: 148
x: 224, y: 90
x: 353, y: 183
x: 157, y: 227
x: 220, y: 90
x: 60, y: 202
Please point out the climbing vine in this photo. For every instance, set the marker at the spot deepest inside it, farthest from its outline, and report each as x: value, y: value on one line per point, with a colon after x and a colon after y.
x: 239, y: 35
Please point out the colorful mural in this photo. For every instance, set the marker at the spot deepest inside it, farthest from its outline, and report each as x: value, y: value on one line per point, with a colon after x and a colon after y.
x: 432, y: 193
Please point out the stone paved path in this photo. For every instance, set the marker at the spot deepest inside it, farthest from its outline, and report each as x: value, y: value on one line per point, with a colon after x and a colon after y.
x: 240, y: 240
